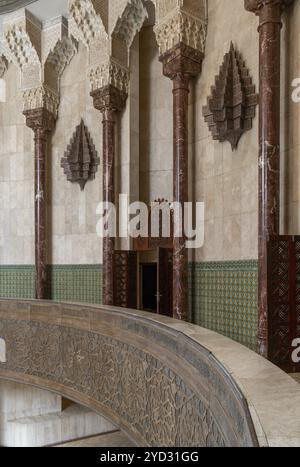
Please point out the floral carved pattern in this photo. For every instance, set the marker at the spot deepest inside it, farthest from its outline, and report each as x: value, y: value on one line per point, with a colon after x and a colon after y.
x: 152, y: 400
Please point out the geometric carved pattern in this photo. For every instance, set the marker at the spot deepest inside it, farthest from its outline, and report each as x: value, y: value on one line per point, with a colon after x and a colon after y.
x: 80, y: 163
x: 231, y: 107
x: 283, y: 299
x: 125, y: 279
x: 122, y: 366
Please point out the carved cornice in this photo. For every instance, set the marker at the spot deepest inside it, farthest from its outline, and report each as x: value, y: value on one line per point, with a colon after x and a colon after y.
x: 41, y: 97
x: 183, y: 60
x: 109, y: 98
x: 109, y: 74
x: 40, y: 119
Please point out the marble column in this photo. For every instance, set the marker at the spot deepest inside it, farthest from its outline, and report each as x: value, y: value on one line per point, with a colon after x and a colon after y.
x: 42, y: 123
x: 270, y: 25
x: 180, y: 65
x: 109, y: 100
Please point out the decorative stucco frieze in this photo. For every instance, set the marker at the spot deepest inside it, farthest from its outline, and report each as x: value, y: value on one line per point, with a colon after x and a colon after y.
x: 109, y: 73
x: 181, y: 27
x: 41, y: 97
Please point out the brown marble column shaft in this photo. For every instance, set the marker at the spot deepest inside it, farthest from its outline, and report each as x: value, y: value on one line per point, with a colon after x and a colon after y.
x: 109, y: 101
x: 42, y: 123
x: 270, y: 25
x: 181, y: 64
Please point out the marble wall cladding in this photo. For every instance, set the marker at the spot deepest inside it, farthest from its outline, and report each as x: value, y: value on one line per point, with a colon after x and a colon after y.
x: 16, y: 178
x: 290, y: 112
x: 72, y: 214
x: 156, y: 123
x: 226, y: 181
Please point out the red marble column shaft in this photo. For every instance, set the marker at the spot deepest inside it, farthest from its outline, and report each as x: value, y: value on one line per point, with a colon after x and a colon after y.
x: 269, y: 145
x: 180, y: 65
x: 40, y: 141
x: 180, y: 182
x: 108, y: 197
x: 269, y: 158
x: 109, y: 100
x: 41, y: 122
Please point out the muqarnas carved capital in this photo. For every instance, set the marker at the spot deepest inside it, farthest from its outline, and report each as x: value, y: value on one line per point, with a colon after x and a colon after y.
x: 40, y: 119
x: 183, y: 60
x: 231, y: 107
x: 109, y: 98
x: 81, y: 162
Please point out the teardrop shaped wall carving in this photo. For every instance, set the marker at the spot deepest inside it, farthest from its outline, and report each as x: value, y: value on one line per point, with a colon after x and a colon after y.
x: 231, y: 107
x: 81, y: 162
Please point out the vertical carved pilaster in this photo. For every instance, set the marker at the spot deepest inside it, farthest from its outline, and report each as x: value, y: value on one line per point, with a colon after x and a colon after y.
x: 42, y: 123
x: 109, y: 100
x: 269, y: 143
x: 181, y: 64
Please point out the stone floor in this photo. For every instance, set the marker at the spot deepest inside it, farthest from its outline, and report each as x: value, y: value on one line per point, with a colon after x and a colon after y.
x: 110, y: 440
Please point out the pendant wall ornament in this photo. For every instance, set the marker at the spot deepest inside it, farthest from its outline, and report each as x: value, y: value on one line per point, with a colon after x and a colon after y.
x: 81, y: 162
x: 231, y: 107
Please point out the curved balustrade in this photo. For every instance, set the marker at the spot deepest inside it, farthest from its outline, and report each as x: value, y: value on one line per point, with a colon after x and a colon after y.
x: 163, y: 382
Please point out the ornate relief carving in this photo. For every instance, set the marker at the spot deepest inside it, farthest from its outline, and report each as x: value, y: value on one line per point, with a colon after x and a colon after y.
x: 3, y: 66
x: 181, y: 27
x: 57, y: 60
x: 231, y: 107
x: 41, y: 97
x: 131, y: 21
x: 109, y: 73
x: 81, y: 162
x: 41, y: 67
x: 109, y: 98
x: 126, y: 371
x: 40, y: 119
x: 85, y: 23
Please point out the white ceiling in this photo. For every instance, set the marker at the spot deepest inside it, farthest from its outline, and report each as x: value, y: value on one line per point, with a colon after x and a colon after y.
x: 45, y: 9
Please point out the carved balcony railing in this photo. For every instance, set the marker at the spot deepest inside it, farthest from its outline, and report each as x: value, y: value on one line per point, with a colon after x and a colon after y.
x: 283, y: 300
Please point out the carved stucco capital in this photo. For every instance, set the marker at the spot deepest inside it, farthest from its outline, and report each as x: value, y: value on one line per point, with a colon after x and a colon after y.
x: 181, y: 61
x: 41, y: 52
x: 181, y: 22
x: 41, y: 97
x: 40, y: 119
x: 257, y: 6
x: 109, y: 99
